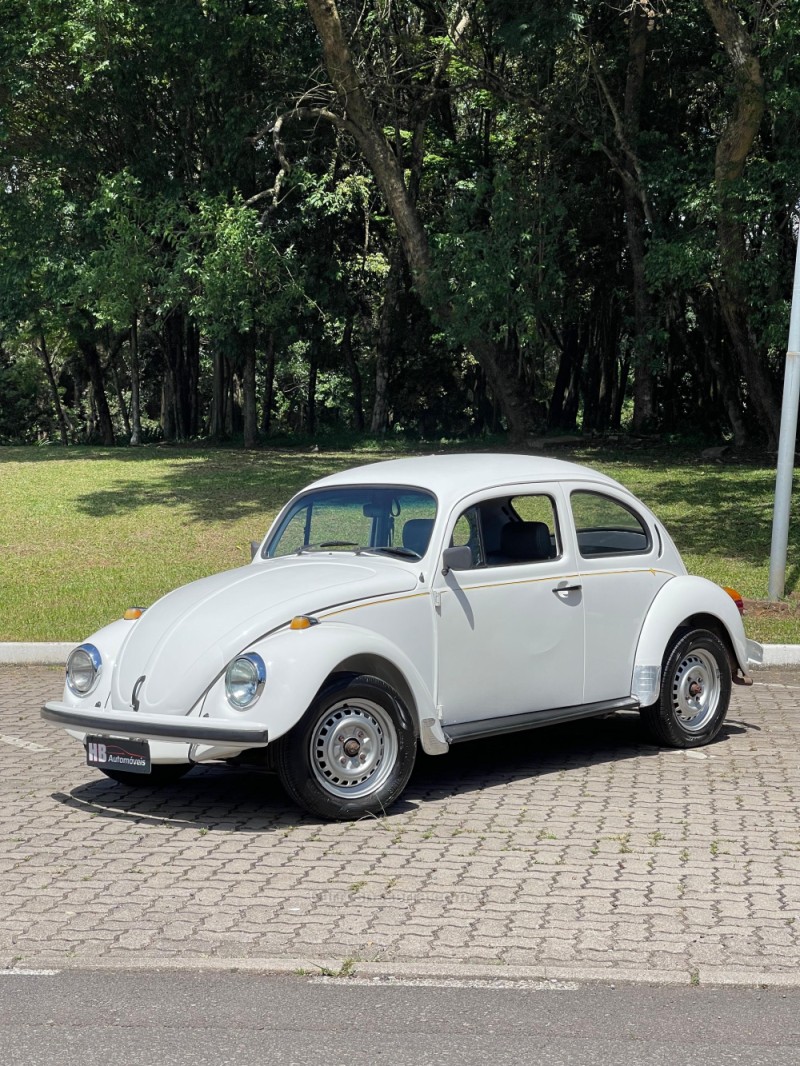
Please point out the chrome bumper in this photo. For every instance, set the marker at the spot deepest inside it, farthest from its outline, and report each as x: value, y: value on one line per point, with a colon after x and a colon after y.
x: 158, y: 726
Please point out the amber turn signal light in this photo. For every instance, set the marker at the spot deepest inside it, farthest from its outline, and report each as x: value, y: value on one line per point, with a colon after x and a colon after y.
x: 133, y: 613
x: 303, y: 621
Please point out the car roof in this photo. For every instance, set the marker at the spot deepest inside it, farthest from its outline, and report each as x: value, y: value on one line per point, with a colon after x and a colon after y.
x: 450, y: 477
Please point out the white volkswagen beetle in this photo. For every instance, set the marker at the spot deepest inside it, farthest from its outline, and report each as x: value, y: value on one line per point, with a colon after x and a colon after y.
x: 419, y: 601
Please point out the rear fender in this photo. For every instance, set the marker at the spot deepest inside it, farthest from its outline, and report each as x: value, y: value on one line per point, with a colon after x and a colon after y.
x: 684, y: 601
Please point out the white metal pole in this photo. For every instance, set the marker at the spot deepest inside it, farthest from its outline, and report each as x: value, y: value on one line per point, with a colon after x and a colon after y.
x: 786, y: 445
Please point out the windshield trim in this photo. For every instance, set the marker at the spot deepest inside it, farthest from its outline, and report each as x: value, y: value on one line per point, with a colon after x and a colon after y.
x: 278, y: 524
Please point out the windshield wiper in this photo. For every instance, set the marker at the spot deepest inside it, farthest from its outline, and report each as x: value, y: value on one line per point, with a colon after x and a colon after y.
x: 405, y: 553
x: 327, y: 544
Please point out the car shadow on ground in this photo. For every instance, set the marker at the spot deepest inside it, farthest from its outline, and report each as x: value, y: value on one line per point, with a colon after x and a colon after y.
x: 218, y: 798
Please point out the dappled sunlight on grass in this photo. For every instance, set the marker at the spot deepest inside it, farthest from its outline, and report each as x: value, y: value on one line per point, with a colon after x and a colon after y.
x: 87, y: 532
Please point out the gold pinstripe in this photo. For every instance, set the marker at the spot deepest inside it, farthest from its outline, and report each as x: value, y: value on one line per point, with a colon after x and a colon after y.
x: 499, y: 584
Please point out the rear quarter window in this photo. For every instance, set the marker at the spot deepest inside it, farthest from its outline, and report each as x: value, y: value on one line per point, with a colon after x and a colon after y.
x: 604, y: 526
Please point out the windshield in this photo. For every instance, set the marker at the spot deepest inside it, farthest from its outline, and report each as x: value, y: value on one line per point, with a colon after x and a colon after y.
x: 368, y: 518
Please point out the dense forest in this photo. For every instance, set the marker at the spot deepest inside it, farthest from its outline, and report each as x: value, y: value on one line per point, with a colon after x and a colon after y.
x: 234, y: 219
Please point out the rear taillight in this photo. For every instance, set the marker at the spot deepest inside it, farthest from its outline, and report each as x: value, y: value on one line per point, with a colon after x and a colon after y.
x: 736, y: 597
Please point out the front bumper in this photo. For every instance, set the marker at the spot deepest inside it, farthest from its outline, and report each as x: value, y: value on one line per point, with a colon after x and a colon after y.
x: 158, y: 726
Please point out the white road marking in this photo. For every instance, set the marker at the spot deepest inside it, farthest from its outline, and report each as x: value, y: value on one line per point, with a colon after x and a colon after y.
x: 497, y: 983
x: 29, y: 745
x: 28, y: 973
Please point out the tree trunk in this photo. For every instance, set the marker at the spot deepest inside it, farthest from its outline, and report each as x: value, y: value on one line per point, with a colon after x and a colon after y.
x: 167, y: 417
x: 217, y: 420
x: 269, y: 385
x: 136, y: 411
x: 387, y: 170
x: 249, y: 411
x: 51, y: 380
x: 638, y: 23
x: 311, y: 393
x: 557, y: 416
x: 390, y: 313
x: 113, y: 356
x: 174, y: 398
x: 733, y: 149
x: 349, y: 360
x: 189, y: 386
x: 91, y: 358
x: 229, y: 421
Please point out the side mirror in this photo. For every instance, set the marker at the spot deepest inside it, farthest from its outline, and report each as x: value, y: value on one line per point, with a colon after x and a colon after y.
x: 457, y: 558
x: 254, y: 546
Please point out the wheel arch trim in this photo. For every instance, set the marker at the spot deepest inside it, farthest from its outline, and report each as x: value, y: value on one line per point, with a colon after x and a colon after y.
x: 685, y: 601
x: 335, y: 648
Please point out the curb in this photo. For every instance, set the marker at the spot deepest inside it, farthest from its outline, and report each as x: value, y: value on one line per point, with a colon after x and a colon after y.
x: 17, y: 653
x: 412, y: 972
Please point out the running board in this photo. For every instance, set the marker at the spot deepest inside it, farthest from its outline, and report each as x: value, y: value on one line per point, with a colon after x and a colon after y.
x: 515, y: 723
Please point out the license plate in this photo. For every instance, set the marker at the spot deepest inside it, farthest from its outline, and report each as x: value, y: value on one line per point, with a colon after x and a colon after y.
x: 133, y: 756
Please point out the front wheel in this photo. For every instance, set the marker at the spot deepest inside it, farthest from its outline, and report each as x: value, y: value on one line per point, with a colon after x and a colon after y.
x: 352, y: 752
x: 160, y: 774
x: 695, y: 691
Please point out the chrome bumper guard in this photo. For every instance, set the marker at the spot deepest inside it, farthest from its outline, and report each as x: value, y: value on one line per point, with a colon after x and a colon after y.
x: 158, y: 726
x: 755, y: 653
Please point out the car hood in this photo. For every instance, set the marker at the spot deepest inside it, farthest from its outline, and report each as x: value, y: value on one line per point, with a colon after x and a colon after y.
x: 185, y: 640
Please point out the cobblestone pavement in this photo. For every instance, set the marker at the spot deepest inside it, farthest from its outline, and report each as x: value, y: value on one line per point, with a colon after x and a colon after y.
x: 573, y: 851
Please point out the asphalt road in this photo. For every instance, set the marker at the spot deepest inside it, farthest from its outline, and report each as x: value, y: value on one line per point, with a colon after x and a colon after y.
x: 82, y: 1018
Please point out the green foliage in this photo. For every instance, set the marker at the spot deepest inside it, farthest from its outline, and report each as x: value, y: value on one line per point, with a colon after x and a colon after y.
x: 245, y: 282
x: 138, y: 180
x: 22, y: 411
x: 495, y: 259
x: 119, y: 276
x: 192, y: 511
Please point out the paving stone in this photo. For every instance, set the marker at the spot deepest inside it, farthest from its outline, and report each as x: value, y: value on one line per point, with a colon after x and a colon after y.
x: 584, y: 847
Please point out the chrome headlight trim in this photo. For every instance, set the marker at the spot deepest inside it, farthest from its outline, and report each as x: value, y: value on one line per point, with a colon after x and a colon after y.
x: 244, y: 680
x: 84, y: 662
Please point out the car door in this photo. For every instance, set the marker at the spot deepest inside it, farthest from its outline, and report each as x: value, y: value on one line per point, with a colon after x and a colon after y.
x: 620, y: 560
x: 510, y: 631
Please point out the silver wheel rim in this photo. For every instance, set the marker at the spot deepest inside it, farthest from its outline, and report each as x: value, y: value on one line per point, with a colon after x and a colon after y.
x: 696, y: 688
x: 353, y: 748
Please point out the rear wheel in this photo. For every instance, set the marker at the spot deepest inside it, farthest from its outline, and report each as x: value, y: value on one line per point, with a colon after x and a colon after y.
x: 695, y: 691
x: 353, y: 751
x: 160, y: 774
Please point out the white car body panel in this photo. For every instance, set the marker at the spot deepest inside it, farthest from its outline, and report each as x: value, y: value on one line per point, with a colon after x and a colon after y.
x: 509, y: 621
x: 682, y: 598
x: 191, y: 634
x: 491, y: 642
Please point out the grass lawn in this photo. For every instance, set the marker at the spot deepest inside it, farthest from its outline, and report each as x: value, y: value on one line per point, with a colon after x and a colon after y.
x: 87, y: 532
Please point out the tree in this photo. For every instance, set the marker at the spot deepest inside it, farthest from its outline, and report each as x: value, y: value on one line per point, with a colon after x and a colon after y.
x: 358, y: 118
x: 748, y: 101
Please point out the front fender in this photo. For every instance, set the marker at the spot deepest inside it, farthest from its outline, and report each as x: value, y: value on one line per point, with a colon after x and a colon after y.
x: 678, y: 600
x: 108, y: 642
x: 298, y: 663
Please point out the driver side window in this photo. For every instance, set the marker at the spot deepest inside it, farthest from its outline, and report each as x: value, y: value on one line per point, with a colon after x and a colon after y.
x: 509, y: 531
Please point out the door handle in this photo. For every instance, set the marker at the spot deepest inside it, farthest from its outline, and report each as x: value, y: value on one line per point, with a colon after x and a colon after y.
x: 567, y: 588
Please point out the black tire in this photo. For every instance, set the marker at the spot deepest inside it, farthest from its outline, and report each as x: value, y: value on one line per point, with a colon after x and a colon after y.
x: 332, y: 782
x: 160, y: 774
x: 695, y: 691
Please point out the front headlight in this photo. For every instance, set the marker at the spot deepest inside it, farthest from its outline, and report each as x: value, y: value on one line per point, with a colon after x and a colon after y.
x: 244, y: 680
x: 83, y: 669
